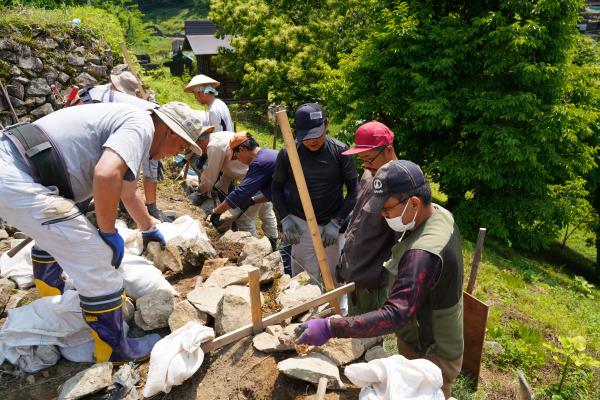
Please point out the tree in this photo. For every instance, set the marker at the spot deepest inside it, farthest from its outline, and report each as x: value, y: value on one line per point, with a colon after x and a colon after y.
x: 481, y: 95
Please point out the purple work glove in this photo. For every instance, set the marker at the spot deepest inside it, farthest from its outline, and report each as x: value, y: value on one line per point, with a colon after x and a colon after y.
x: 315, y: 332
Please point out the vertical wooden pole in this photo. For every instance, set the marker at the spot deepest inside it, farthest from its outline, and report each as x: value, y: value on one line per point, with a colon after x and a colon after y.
x: 309, y: 211
x: 321, y: 388
x: 255, y: 304
x: 12, y: 110
x: 476, y: 259
x: 130, y: 65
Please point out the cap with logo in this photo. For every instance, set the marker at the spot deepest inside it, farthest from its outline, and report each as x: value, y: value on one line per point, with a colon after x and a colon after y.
x: 184, y: 121
x: 202, y: 83
x: 395, y: 177
x: 310, y: 121
x: 370, y: 136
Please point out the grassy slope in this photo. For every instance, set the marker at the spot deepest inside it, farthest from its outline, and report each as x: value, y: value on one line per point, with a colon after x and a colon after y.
x: 532, y: 301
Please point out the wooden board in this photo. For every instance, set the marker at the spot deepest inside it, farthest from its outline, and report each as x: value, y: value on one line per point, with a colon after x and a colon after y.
x: 475, y: 313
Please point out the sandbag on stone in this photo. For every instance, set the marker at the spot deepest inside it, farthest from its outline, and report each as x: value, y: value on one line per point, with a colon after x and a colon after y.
x: 141, y: 277
x: 19, y: 268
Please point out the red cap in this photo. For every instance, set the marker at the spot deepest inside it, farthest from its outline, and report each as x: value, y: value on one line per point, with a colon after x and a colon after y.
x: 369, y: 136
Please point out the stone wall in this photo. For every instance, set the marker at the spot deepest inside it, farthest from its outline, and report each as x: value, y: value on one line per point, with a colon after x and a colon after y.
x: 33, y: 58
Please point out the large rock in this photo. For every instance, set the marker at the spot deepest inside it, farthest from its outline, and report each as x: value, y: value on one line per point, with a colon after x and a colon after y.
x: 38, y: 87
x: 86, y: 382
x: 168, y: 259
x: 271, y: 267
x: 375, y: 353
x: 63, y: 78
x: 97, y: 71
x: 233, y: 312
x: 84, y: 80
x: 153, y: 310
x: 254, y: 251
x: 16, y: 89
x: 199, y: 252
x: 42, y: 110
x: 185, y: 312
x: 226, y: 276
x: 312, y: 367
x: 343, y: 351
x: 295, y: 296
x: 206, y: 299
x: 75, y: 60
x: 212, y: 265
x: 31, y: 63
x: 235, y: 237
x: 276, y: 338
x: 6, y: 291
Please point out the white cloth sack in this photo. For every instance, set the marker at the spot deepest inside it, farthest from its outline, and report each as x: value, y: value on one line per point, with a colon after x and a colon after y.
x: 397, y: 378
x: 18, y: 268
x: 141, y: 277
x: 176, y: 357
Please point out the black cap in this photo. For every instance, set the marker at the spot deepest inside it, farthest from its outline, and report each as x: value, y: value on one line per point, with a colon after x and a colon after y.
x: 310, y: 121
x: 395, y: 177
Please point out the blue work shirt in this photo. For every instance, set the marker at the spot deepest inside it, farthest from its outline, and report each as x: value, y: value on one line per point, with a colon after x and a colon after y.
x: 258, y: 178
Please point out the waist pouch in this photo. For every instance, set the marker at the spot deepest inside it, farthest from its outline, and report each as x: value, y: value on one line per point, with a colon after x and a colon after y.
x: 47, y: 164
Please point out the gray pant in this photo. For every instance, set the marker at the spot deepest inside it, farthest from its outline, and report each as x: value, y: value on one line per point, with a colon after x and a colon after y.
x: 304, y: 257
x: 264, y: 211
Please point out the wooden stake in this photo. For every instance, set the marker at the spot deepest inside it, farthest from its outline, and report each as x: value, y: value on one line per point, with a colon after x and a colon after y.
x: 309, y: 211
x: 278, y: 318
x: 12, y: 110
x: 130, y: 65
x: 255, y: 304
x: 476, y: 259
x: 321, y: 388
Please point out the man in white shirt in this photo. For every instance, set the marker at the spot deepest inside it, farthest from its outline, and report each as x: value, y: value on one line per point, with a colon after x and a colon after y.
x: 205, y: 91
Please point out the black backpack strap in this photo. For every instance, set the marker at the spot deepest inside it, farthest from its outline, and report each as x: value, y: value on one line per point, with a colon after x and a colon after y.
x: 85, y: 97
x: 48, y: 164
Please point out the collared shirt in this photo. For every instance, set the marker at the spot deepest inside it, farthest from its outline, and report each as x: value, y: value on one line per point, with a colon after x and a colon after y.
x: 258, y: 178
x: 219, y: 160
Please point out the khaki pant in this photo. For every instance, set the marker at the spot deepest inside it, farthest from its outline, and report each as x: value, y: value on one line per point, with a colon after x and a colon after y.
x: 450, y: 368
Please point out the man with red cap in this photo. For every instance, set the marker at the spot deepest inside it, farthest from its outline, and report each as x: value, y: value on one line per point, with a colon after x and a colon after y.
x: 369, y: 239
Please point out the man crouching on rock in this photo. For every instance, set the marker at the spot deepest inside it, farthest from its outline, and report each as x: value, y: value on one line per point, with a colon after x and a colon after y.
x: 66, y: 157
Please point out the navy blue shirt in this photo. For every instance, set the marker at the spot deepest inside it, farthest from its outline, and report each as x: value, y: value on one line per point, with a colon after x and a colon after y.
x: 258, y: 178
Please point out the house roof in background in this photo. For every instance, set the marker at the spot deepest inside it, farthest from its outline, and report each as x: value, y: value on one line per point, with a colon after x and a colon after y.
x: 200, y: 38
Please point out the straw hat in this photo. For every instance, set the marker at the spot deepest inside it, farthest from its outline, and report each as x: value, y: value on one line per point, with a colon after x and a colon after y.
x: 201, y: 80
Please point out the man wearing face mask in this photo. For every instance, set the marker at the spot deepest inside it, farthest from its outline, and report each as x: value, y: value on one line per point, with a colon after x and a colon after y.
x: 424, y: 307
x: 326, y: 172
x: 369, y: 239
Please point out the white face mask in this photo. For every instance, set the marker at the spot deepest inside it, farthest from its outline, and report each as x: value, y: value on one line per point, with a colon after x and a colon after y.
x: 396, y: 223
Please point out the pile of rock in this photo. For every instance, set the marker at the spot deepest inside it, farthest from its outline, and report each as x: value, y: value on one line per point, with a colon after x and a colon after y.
x: 32, y: 60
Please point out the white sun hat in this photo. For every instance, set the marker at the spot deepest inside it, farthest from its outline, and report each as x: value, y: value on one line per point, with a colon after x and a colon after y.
x: 201, y: 80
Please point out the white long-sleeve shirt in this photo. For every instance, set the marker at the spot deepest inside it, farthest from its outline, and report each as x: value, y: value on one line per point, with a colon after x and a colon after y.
x: 221, y: 110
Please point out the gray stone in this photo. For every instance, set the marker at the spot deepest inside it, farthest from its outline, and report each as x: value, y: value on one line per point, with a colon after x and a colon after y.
x: 84, y: 80
x: 51, y: 74
x: 25, y: 51
x: 312, y: 367
x: 20, y: 112
x: 226, y: 276
x: 212, y: 265
x: 232, y: 312
x: 19, y: 298
x: 35, y: 101
x: 42, y: 111
x: 7, y: 288
x: 3, y: 234
x: 14, y: 101
x: 185, y: 312
x: 128, y: 310
x: 271, y: 267
x: 9, y: 44
x: 14, y: 70
x: 16, y: 89
x: 276, y: 338
x: 293, y: 297
x: 86, y: 382
x: 254, y: 251
x: 268, y: 343
x: 20, y: 79
x: 235, y: 237
x: 493, y: 347
x: 97, y: 71
x: 8, y: 56
x: 75, y: 60
x: 153, y: 310
x: 63, y: 78
x: 206, y: 299
x: 343, y: 351
x: 38, y: 87
x: 168, y: 259
x: 48, y: 44
x: 201, y: 251
x: 375, y: 353
x: 31, y: 63
x: 241, y: 291
x: 79, y: 50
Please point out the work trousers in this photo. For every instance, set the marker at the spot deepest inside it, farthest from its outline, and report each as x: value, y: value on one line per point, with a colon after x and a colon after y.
x: 264, y: 211
x: 450, y: 368
x: 57, y: 226
x: 304, y: 257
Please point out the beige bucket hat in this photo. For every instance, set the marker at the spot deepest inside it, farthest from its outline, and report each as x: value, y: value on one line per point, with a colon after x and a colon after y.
x: 201, y: 80
x: 184, y: 121
x: 125, y: 82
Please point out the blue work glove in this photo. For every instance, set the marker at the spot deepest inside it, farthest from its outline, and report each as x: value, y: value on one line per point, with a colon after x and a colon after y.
x: 330, y: 233
x: 116, y: 244
x: 315, y: 332
x: 153, y: 235
x: 291, y: 233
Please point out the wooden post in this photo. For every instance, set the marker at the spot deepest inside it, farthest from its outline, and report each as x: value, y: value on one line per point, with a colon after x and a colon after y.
x: 321, y: 388
x: 130, y: 65
x: 476, y: 259
x: 309, y: 211
x: 12, y: 110
x: 255, y: 304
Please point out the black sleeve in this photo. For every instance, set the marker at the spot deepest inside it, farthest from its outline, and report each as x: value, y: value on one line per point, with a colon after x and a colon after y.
x: 280, y: 177
x: 351, y: 181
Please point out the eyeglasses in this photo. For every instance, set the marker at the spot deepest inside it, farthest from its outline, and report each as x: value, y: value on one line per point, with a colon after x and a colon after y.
x: 389, y: 209
x: 370, y: 161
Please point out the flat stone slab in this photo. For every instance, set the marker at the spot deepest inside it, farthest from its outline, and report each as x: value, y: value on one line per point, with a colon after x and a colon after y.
x: 86, y: 382
x: 375, y: 353
x: 226, y: 276
x: 206, y: 298
x: 185, y: 312
x: 312, y: 367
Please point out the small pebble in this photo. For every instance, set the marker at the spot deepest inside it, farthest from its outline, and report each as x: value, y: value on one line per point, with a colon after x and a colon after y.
x: 30, y: 379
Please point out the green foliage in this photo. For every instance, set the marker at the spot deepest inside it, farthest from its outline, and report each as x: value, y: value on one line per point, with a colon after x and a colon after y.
x: 484, y: 97
x: 283, y: 47
x: 570, y: 354
x: 583, y: 287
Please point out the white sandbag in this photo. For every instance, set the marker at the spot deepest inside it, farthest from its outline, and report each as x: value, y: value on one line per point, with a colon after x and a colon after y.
x: 397, y: 378
x: 141, y: 277
x: 131, y: 237
x: 32, y: 359
x: 19, y: 268
x: 176, y: 357
x: 184, y: 232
